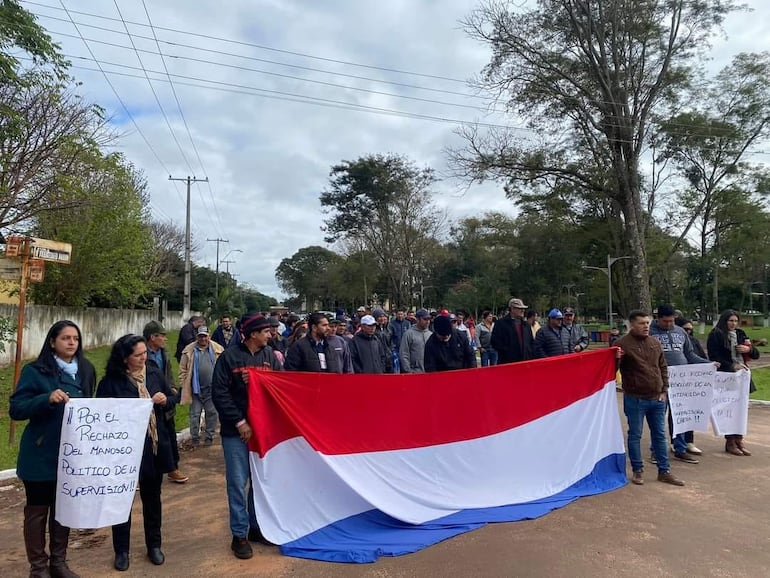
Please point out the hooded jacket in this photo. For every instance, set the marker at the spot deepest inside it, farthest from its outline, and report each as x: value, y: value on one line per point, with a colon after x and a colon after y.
x: 412, y: 351
x: 368, y: 354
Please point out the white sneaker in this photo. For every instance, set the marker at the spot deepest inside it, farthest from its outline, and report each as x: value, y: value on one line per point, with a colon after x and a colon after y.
x: 691, y: 449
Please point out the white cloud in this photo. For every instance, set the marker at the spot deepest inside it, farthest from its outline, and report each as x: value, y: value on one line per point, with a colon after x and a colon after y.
x: 268, y: 158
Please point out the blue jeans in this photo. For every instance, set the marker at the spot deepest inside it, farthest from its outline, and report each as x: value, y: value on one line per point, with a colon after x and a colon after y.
x: 488, y: 357
x: 240, y: 498
x: 636, y: 409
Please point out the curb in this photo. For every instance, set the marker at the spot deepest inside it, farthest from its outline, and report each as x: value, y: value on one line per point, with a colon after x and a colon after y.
x: 182, y: 436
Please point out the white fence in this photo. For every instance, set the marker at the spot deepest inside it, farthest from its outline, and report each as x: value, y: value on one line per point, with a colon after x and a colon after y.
x: 98, y: 326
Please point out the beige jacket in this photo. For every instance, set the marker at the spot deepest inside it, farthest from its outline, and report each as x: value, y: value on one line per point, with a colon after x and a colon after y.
x: 186, y: 368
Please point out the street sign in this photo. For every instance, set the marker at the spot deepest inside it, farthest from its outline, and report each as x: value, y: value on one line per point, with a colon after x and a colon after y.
x: 36, y: 270
x: 10, y: 269
x: 13, y: 246
x: 47, y: 250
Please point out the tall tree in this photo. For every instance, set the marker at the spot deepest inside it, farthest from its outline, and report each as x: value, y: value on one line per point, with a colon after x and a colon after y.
x: 385, y: 203
x: 587, y: 77
x: 109, y: 231
x: 709, y: 145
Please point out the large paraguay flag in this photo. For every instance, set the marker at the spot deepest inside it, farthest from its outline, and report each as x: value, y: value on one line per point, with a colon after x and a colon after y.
x: 348, y: 468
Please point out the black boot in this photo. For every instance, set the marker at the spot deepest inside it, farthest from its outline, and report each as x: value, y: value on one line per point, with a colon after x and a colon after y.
x: 59, y: 538
x: 35, y: 518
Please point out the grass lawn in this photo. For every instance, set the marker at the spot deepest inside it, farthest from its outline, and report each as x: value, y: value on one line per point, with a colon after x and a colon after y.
x: 96, y: 356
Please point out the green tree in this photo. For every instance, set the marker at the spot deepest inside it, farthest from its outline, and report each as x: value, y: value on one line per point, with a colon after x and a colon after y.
x: 307, y: 275
x: 110, y: 235
x: 588, y: 78
x: 384, y: 203
x: 709, y: 145
x: 20, y: 33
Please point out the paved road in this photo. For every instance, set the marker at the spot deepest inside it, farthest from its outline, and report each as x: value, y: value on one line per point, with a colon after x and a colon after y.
x: 715, y: 526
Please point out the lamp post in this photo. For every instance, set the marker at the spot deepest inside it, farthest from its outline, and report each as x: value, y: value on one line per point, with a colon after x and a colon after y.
x: 422, y: 293
x: 223, y: 260
x: 608, y: 271
x: 577, y: 305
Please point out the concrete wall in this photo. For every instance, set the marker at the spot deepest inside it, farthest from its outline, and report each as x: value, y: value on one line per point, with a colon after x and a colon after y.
x: 98, y: 326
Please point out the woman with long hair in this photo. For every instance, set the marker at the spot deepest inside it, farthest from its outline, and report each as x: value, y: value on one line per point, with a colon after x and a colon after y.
x: 59, y: 373
x: 130, y: 376
x: 727, y: 343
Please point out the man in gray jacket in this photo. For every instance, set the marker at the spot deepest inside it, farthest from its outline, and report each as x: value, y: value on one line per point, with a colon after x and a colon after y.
x: 678, y: 351
x: 412, y: 350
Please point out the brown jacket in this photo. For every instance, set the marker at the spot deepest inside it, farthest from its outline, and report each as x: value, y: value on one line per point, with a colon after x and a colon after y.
x: 643, y: 366
x: 186, y: 368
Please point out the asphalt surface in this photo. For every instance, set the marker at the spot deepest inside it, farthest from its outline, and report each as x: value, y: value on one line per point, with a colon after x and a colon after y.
x: 717, y: 525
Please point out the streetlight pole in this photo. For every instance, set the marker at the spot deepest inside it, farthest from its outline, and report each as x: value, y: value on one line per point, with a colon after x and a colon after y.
x: 608, y: 271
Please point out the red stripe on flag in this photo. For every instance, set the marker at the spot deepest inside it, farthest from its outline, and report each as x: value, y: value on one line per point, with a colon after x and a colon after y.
x: 344, y: 414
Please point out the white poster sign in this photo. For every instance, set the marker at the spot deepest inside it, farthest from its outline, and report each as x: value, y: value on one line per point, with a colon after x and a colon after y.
x: 730, y: 409
x: 102, y: 441
x: 690, y: 393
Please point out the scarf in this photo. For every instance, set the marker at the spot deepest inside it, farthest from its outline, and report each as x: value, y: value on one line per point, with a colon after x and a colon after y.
x: 137, y: 378
x: 732, y: 339
x: 196, y: 386
x: 70, y: 368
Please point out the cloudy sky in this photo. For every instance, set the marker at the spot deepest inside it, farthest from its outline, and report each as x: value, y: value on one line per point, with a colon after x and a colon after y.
x: 274, y: 92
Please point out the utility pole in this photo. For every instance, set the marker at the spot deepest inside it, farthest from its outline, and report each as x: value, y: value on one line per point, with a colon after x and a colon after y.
x: 216, y: 279
x: 227, y: 263
x: 187, y: 244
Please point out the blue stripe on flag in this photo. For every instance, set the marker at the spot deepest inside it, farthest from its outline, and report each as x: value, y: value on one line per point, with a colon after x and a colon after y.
x: 365, y: 537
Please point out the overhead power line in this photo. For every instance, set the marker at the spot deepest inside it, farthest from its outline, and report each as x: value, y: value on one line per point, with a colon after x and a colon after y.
x: 269, y: 48
x: 313, y: 81
x: 184, y: 120
x: 278, y: 63
x: 125, y: 108
x: 277, y: 74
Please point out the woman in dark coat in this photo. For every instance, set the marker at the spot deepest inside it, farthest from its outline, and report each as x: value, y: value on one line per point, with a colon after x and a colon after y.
x: 45, y: 386
x: 727, y: 343
x: 129, y: 375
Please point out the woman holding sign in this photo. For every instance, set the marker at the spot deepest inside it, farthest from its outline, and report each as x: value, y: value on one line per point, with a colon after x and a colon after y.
x: 130, y: 376
x: 728, y: 344
x: 45, y: 385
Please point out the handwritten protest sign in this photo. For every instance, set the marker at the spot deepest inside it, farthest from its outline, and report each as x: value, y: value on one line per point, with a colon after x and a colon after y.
x: 730, y: 407
x: 102, y: 441
x: 690, y: 392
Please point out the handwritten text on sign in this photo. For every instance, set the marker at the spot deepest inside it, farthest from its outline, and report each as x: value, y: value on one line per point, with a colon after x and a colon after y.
x: 690, y: 391
x: 102, y: 441
x: 730, y: 408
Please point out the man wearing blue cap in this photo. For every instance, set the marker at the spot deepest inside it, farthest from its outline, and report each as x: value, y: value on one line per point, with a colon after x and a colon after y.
x: 412, y: 349
x: 553, y: 339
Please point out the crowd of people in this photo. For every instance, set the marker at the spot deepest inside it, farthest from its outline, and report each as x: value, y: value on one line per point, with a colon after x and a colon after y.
x: 213, y: 380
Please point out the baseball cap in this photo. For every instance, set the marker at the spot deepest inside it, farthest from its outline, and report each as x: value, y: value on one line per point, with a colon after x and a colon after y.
x: 516, y: 303
x: 361, y: 309
x: 203, y: 330
x: 153, y: 328
x: 368, y: 320
x: 555, y: 314
x: 569, y: 311
x: 422, y: 314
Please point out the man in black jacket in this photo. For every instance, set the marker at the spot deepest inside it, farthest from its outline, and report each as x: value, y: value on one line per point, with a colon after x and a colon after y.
x: 229, y: 391
x: 447, y: 348
x: 187, y: 334
x: 512, y: 337
x: 313, y: 352
x: 366, y: 351
x: 155, y: 334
